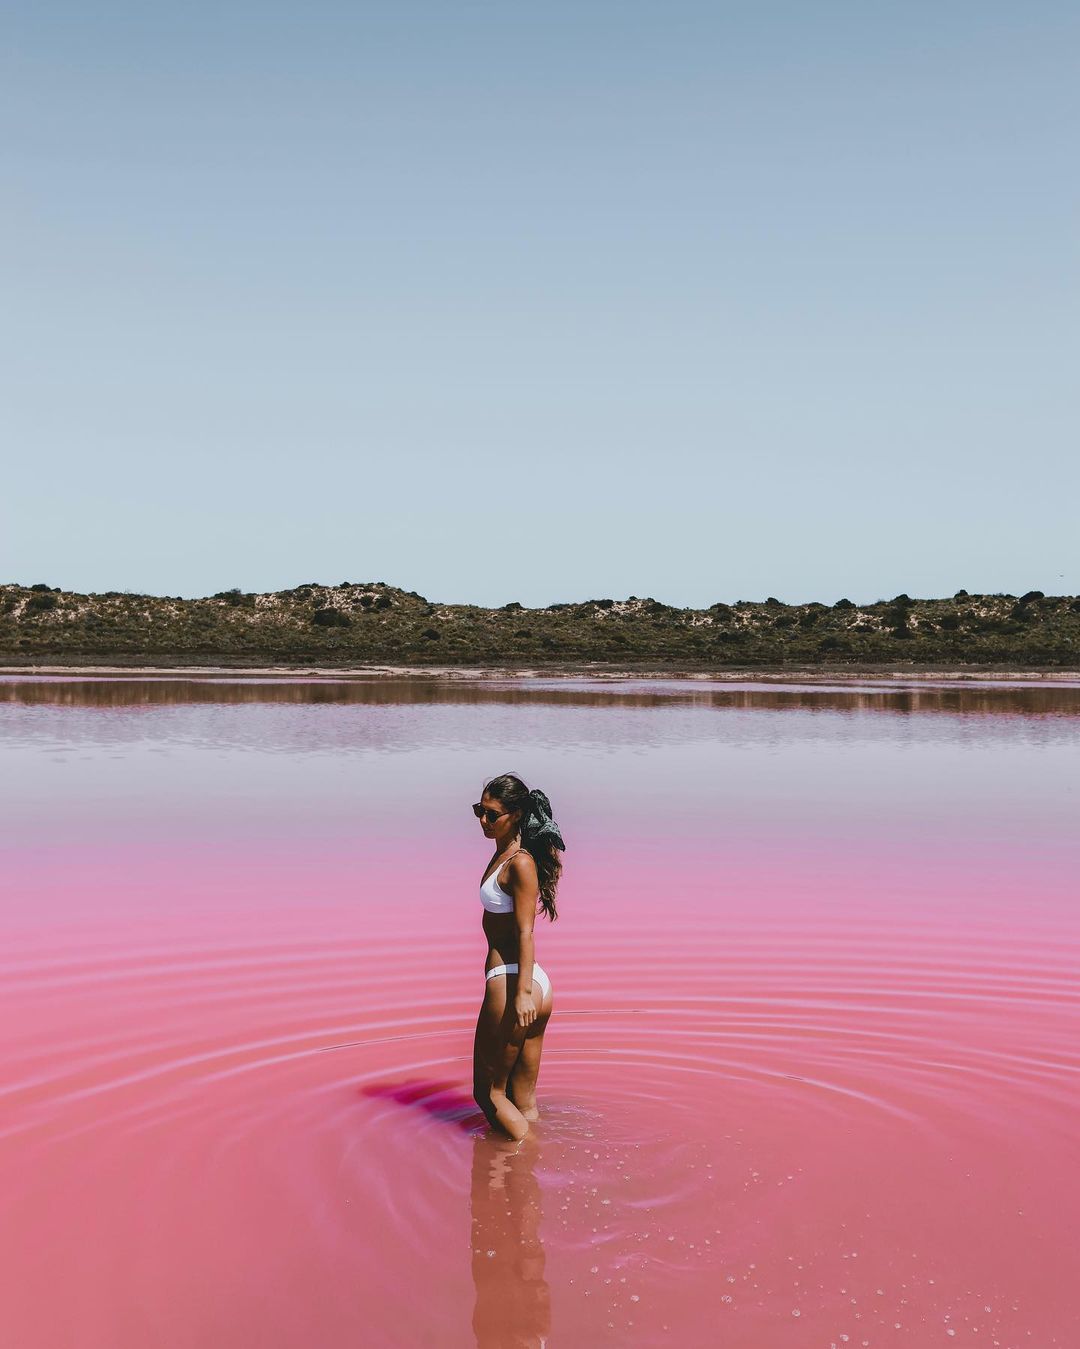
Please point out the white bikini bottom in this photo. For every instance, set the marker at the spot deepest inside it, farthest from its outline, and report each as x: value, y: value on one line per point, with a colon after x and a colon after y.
x: 539, y: 974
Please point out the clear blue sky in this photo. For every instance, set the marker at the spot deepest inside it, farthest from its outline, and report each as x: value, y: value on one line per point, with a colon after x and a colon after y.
x: 701, y: 301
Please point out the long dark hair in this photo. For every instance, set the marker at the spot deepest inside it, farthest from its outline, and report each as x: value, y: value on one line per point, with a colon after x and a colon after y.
x: 514, y: 795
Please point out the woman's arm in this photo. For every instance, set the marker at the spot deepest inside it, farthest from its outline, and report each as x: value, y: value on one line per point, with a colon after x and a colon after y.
x: 525, y: 887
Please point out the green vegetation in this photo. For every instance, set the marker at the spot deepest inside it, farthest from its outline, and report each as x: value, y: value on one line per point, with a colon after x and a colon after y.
x: 373, y: 623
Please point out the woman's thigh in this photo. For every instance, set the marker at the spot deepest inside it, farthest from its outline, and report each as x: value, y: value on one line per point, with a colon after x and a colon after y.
x: 495, y: 1026
x: 499, y: 1039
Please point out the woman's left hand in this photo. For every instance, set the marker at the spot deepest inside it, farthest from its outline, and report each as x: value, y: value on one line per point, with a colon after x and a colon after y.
x: 525, y: 1009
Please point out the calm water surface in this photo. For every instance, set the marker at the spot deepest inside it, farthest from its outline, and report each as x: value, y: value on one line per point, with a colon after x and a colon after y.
x: 810, y: 1079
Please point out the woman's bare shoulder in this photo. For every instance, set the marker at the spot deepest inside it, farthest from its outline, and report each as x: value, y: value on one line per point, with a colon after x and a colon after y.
x: 523, y: 864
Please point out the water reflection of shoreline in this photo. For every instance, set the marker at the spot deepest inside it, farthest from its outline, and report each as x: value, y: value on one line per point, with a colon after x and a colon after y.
x: 808, y: 693
x: 513, y: 1301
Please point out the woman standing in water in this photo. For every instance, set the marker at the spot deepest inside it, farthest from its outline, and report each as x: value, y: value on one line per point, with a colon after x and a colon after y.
x: 523, y: 872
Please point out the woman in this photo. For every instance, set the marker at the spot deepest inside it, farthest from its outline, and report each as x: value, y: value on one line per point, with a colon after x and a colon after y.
x: 523, y: 871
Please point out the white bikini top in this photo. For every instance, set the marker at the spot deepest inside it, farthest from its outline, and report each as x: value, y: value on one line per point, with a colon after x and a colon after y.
x: 493, y: 897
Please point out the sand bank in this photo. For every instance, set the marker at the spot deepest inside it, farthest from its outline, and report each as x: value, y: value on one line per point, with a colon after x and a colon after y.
x: 581, y: 670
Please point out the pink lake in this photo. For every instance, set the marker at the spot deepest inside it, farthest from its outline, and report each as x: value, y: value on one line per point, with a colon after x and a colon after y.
x: 810, y: 1081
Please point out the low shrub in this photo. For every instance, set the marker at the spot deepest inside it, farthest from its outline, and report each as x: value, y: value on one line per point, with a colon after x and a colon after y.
x: 331, y: 618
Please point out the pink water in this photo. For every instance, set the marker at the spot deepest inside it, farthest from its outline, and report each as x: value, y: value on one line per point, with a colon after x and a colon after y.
x: 810, y: 1079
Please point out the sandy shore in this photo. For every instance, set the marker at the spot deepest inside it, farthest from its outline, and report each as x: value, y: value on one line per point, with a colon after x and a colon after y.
x: 584, y: 670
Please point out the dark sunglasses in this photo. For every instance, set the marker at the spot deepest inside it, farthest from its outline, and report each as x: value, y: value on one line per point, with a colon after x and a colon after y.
x: 490, y: 815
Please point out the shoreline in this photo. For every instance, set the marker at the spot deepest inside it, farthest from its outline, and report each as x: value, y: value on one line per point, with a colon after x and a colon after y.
x: 581, y: 670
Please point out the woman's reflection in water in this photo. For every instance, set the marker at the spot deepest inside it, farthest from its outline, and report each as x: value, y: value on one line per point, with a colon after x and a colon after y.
x: 513, y: 1301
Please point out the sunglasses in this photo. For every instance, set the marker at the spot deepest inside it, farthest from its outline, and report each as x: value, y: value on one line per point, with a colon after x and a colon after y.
x: 490, y: 815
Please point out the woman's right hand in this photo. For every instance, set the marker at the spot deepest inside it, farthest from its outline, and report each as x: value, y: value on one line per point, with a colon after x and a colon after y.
x: 525, y: 1008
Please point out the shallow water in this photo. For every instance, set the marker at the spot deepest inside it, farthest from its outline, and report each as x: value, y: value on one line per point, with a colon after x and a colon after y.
x: 810, y: 1079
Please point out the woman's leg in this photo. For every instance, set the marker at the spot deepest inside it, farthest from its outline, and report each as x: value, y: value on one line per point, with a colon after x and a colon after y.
x: 522, y: 1084
x: 496, y: 1047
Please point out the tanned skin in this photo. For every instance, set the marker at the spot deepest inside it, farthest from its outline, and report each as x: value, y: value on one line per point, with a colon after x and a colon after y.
x: 514, y: 1014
